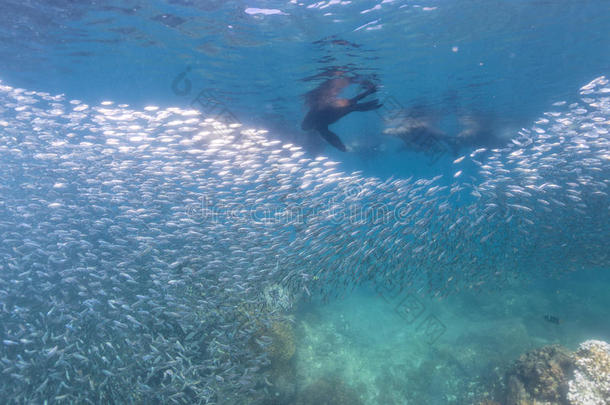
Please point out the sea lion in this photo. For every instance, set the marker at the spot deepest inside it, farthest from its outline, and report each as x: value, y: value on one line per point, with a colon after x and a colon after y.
x: 422, y: 130
x: 418, y: 128
x: 326, y: 108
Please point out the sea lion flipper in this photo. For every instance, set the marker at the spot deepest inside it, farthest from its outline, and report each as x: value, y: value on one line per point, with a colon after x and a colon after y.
x: 332, y: 138
x: 362, y: 95
x: 369, y: 105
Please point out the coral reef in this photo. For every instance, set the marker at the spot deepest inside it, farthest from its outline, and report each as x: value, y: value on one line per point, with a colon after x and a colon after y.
x: 540, y: 377
x: 278, y: 340
x: 283, y: 344
x: 328, y: 391
x: 591, y: 382
x: 284, y: 385
x: 553, y: 376
x: 277, y: 297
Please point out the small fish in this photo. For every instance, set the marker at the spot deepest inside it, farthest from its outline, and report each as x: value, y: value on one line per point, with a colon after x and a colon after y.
x: 105, y: 272
x: 552, y: 319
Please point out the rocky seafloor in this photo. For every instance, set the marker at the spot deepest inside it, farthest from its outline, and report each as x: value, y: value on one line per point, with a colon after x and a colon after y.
x: 495, y: 348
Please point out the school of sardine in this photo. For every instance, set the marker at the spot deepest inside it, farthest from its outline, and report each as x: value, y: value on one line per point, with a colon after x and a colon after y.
x: 136, y: 245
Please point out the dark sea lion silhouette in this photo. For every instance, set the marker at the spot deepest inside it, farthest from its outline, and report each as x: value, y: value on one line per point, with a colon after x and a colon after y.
x: 326, y: 108
x: 421, y: 130
x: 418, y: 128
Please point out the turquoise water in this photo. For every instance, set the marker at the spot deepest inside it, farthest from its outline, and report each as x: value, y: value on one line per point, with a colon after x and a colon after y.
x: 179, y: 226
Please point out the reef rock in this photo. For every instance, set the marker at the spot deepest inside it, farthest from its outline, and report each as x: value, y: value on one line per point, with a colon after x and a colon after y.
x: 277, y: 297
x: 540, y: 377
x: 590, y: 384
x: 283, y: 343
x: 329, y: 390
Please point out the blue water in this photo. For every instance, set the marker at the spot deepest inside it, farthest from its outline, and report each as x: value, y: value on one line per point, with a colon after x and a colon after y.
x: 513, y: 57
x: 506, y: 65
